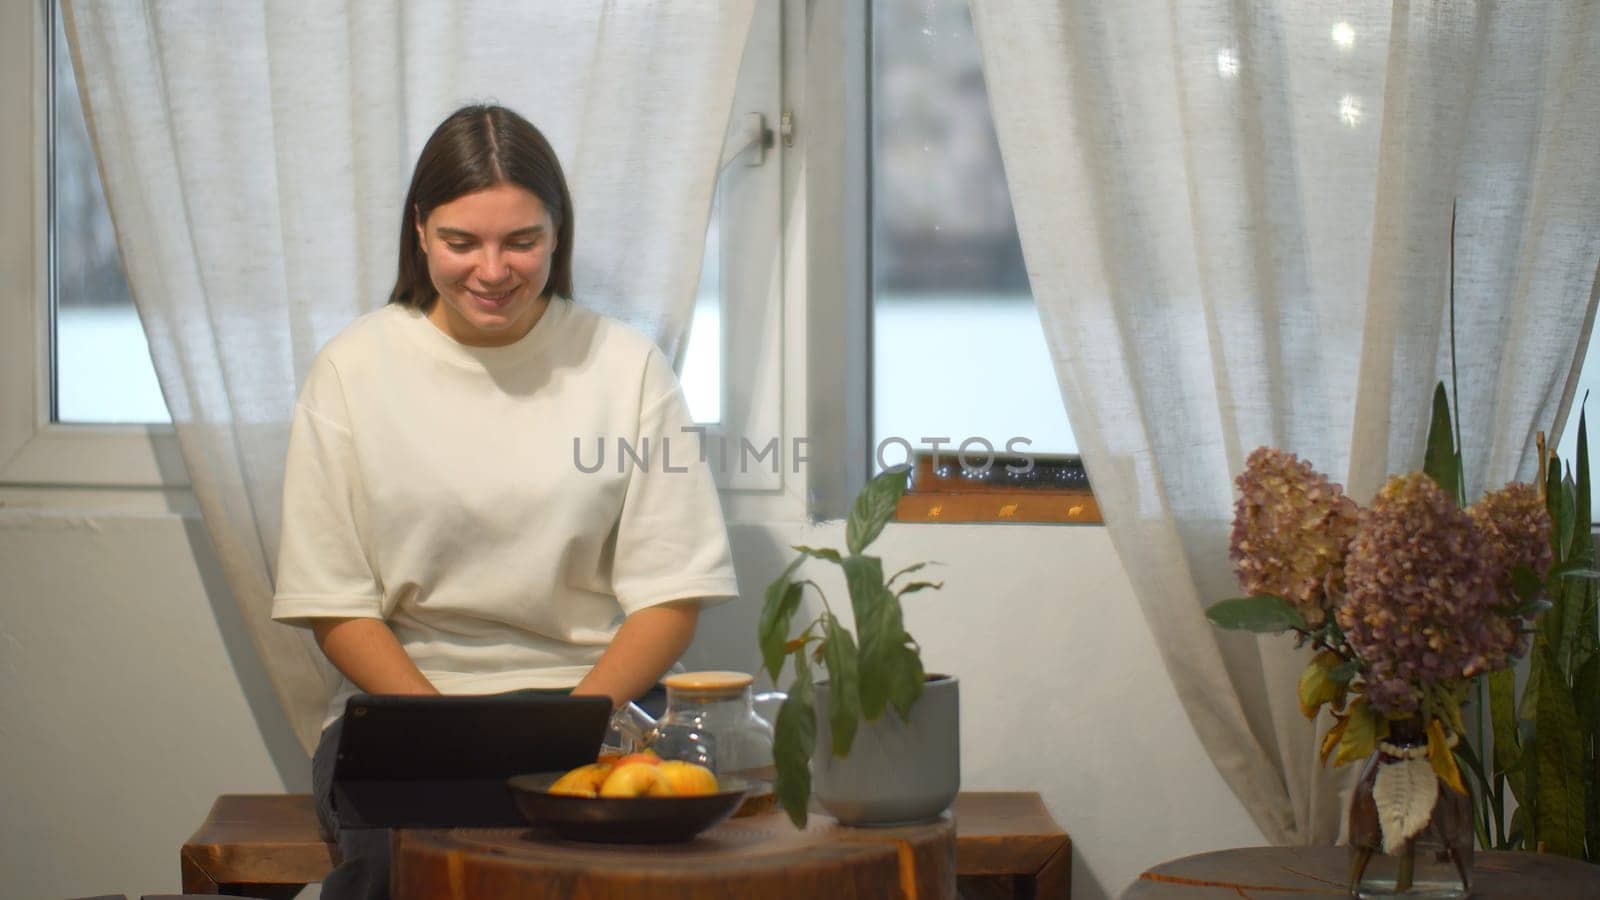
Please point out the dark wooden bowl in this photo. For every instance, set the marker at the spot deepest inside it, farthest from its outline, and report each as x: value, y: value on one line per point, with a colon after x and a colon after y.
x: 623, y: 820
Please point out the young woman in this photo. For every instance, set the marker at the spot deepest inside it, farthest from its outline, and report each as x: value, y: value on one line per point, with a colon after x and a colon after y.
x: 439, y: 535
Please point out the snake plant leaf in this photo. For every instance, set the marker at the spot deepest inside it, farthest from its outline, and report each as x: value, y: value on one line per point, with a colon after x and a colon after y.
x: 844, y: 686
x: 1560, y: 809
x: 1263, y: 614
x: 874, y: 507
x: 1440, y: 461
x: 1581, y: 546
x: 1405, y: 792
x: 1517, y: 832
x: 1561, y: 501
x: 794, y: 739
x: 1503, y: 716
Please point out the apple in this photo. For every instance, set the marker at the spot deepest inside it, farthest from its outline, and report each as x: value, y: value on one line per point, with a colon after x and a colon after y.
x: 645, y: 757
x: 639, y: 779
x: 584, y: 781
x: 688, y: 779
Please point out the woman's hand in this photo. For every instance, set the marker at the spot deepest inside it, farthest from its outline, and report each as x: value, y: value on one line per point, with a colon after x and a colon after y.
x: 369, y: 654
x: 646, y: 645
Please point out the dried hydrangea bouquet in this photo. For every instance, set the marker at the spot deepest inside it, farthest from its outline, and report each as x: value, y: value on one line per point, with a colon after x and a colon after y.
x: 1403, y: 603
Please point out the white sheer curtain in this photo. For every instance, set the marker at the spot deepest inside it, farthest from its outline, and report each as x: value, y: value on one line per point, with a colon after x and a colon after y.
x: 1235, y: 219
x: 256, y: 156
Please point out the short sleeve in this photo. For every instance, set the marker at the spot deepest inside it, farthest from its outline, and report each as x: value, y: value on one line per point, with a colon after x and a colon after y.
x: 323, y: 568
x: 672, y: 543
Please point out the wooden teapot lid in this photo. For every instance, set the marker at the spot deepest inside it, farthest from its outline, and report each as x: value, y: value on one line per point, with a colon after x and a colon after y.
x: 708, y: 682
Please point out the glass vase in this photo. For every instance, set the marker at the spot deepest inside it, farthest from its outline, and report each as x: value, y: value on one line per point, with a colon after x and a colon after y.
x: 1436, y: 861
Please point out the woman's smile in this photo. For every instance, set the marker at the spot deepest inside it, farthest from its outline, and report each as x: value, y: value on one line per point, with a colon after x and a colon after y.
x: 489, y: 255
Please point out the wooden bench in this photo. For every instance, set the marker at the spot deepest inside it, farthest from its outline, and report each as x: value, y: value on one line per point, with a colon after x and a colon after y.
x: 267, y: 845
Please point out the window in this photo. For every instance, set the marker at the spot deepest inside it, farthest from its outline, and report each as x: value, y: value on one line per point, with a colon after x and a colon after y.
x: 100, y: 365
x: 1588, y: 383
x: 82, y: 399
x: 959, y: 363
x: 37, y: 446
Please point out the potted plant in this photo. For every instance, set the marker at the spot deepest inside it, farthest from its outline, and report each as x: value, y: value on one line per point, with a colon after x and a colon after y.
x: 1405, y: 604
x: 889, y: 732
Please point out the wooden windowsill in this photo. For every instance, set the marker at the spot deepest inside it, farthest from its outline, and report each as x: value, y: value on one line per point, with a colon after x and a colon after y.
x: 944, y: 495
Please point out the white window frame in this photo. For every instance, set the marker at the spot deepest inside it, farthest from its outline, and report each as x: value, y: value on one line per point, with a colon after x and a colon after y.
x: 827, y: 257
x: 34, y: 451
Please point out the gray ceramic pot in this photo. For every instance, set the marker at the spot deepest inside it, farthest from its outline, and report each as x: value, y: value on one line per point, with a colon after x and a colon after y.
x: 898, y: 771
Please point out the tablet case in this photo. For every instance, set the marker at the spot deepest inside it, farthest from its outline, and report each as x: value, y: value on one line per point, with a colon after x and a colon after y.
x: 442, y: 762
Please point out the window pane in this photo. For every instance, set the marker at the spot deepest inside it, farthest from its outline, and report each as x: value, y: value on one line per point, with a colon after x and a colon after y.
x: 702, y: 362
x: 958, y: 351
x: 102, y: 363
x: 1588, y: 383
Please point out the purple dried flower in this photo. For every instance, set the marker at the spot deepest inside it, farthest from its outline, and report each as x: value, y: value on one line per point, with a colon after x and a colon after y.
x: 1291, y: 527
x: 1422, y: 586
x: 1516, y: 525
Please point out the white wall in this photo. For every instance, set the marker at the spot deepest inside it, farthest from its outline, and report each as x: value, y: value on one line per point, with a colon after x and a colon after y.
x: 130, y: 697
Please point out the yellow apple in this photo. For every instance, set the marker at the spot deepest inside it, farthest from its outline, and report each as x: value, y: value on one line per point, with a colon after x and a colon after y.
x: 688, y: 779
x: 646, y: 757
x: 584, y: 781
x: 636, y: 780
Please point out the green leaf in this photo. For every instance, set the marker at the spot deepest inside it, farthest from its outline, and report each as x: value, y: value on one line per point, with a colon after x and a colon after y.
x: 794, y: 739
x: 879, y: 626
x: 1503, y: 716
x: 1559, y: 816
x: 874, y: 507
x: 906, y: 679
x: 1264, y: 614
x: 827, y: 553
x: 1518, y: 833
x: 1581, y: 547
x: 1440, y: 461
x: 1586, y: 690
x: 1343, y: 672
x: 844, y: 686
x: 915, y: 586
x: 777, y: 613
x: 914, y: 567
x: 1561, y: 503
x: 1525, y: 584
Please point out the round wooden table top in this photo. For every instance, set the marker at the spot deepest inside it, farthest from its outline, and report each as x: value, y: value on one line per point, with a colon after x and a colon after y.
x: 1270, y: 873
x: 759, y: 856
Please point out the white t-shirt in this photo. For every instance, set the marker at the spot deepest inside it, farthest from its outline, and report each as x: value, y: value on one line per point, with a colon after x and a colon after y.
x: 453, y: 491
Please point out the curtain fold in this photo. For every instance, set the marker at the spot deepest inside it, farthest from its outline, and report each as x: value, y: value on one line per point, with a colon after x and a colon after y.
x: 256, y: 156
x: 1235, y: 217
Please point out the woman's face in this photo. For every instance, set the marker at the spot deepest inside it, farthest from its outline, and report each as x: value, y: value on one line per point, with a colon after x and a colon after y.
x: 489, y: 257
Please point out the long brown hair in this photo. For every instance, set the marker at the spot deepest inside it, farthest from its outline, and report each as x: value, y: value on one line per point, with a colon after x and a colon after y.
x: 474, y: 149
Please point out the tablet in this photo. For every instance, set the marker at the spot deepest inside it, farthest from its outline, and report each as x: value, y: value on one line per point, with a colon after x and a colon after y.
x: 442, y: 762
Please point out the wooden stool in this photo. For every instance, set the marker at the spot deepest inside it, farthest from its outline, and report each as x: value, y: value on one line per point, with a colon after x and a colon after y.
x: 268, y: 845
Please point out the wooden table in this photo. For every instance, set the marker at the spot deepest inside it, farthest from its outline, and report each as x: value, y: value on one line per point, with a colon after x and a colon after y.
x: 758, y: 856
x: 1007, y: 845
x: 1280, y: 873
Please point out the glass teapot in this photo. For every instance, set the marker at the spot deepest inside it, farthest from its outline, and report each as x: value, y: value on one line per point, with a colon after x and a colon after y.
x: 712, y: 718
